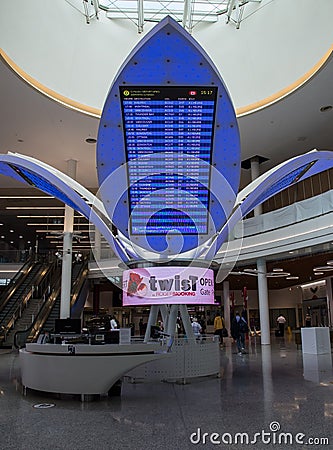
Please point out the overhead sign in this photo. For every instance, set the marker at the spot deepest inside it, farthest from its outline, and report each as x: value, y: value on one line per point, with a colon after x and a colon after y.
x: 168, y: 285
x: 168, y: 147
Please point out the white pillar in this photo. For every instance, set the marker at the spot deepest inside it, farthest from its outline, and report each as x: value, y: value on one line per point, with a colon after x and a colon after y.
x: 226, y: 304
x: 255, y: 173
x: 152, y: 319
x: 263, y: 302
x: 186, y: 321
x: 171, y: 330
x: 97, y: 245
x: 329, y: 296
x: 66, y: 273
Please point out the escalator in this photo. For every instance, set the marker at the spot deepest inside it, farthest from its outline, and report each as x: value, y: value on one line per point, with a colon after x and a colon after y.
x: 18, y: 296
x: 50, y: 309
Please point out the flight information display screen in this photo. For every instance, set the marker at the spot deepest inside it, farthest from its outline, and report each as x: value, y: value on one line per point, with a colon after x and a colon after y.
x: 168, y: 137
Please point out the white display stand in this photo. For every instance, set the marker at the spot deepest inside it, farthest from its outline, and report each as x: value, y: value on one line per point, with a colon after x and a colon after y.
x: 317, y: 368
x: 316, y: 340
x: 124, y: 336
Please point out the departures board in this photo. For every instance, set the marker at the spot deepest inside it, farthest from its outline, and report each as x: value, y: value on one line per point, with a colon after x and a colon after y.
x: 168, y: 134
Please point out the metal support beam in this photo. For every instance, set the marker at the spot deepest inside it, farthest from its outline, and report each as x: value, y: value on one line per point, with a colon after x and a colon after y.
x: 141, y: 18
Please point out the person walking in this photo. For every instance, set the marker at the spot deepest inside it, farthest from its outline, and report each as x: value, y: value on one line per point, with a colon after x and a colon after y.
x: 218, y: 327
x: 196, y: 328
x: 238, y: 329
x: 281, y: 320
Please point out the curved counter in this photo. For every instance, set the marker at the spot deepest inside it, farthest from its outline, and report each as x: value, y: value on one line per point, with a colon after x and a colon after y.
x: 81, y: 369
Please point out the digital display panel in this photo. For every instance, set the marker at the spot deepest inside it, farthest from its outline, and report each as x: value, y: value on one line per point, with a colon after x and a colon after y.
x: 168, y: 135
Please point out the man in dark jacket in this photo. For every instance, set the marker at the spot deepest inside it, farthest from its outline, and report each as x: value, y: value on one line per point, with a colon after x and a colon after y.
x: 238, y: 329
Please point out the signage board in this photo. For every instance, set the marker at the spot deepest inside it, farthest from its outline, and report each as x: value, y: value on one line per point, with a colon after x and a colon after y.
x: 168, y: 285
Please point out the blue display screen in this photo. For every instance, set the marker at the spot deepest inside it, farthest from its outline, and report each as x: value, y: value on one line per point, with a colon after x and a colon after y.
x: 45, y: 186
x: 168, y: 135
x: 280, y: 185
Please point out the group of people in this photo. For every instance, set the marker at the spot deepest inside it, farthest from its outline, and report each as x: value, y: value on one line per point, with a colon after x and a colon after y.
x: 239, y: 328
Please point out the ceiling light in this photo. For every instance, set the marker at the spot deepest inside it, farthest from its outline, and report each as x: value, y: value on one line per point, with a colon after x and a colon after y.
x: 25, y: 196
x: 35, y: 207
x: 318, y: 273
x: 292, y: 277
x: 11, y: 231
x: 251, y: 270
x: 277, y: 274
x: 323, y: 269
x: 2, y: 237
x: 313, y: 283
x: 277, y: 270
x: 330, y: 263
x: 20, y: 237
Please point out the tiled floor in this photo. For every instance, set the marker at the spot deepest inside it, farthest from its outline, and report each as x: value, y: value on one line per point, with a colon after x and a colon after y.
x: 264, y: 391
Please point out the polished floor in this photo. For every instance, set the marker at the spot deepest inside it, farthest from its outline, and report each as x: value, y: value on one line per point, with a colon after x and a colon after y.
x: 271, y: 395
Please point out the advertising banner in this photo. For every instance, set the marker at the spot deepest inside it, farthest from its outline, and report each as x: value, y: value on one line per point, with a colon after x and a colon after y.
x: 168, y: 285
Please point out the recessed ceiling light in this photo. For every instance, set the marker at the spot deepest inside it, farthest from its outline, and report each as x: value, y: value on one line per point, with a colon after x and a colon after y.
x: 11, y: 231
x: 91, y: 140
x: 277, y: 274
x: 277, y: 270
x: 318, y: 273
x: 20, y: 237
x: 292, y: 277
x: 326, y: 108
x: 2, y: 237
x: 323, y: 269
x: 11, y: 242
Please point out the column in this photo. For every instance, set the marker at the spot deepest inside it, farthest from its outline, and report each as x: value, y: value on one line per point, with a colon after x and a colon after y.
x: 263, y: 302
x: 96, y: 292
x: 97, y: 245
x: 329, y: 296
x: 255, y: 173
x: 226, y: 303
x: 66, y: 273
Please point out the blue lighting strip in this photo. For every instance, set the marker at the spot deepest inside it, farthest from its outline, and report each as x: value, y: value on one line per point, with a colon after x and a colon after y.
x: 42, y: 184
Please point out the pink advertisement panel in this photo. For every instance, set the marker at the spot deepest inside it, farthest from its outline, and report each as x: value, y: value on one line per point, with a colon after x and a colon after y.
x: 168, y: 285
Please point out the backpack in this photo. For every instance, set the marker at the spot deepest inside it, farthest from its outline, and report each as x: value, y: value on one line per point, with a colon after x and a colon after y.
x: 243, y: 328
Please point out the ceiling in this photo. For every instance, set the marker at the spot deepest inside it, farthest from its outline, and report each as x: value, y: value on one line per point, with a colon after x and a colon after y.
x: 32, y: 124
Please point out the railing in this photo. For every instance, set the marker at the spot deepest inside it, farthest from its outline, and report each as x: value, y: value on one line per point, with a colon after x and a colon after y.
x: 40, y: 282
x: 15, y: 283
x: 31, y: 334
x: 79, y: 281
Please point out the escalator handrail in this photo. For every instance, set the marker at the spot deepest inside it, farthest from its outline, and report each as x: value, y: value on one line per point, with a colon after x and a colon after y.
x: 16, y: 282
x: 15, y: 311
x: 35, y: 328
